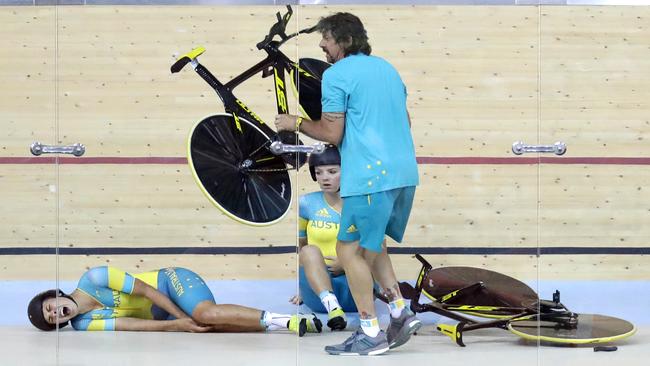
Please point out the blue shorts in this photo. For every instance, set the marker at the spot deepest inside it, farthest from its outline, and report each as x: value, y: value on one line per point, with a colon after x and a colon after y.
x: 184, y: 288
x: 339, y: 287
x: 367, y: 218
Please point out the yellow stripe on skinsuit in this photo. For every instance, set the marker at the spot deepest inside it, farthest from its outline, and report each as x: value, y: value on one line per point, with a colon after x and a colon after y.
x: 150, y: 278
x: 116, y: 278
x: 97, y: 324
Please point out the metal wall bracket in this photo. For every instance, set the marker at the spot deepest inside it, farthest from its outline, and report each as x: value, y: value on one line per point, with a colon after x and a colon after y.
x: 558, y: 148
x: 37, y: 149
x: 279, y: 148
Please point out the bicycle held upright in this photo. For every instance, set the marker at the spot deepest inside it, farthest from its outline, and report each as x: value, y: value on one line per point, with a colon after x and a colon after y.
x: 238, y: 161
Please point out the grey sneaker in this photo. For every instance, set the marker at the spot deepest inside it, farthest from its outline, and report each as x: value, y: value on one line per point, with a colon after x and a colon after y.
x: 400, y: 330
x: 360, y: 344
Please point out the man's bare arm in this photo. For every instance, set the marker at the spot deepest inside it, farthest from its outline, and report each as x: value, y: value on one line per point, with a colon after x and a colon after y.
x: 329, y: 129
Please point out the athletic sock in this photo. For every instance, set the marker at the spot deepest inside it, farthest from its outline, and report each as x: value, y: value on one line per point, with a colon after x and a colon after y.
x: 274, y: 321
x: 329, y: 300
x: 395, y: 307
x: 370, y: 326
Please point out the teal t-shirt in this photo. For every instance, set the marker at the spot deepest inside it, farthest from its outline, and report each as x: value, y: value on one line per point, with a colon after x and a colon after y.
x: 377, y: 151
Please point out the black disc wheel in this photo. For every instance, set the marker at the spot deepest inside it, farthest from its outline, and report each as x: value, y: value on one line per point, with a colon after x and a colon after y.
x: 235, y: 170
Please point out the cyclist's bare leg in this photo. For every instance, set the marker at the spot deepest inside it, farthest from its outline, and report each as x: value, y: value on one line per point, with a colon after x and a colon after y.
x: 311, y: 259
x: 228, y: 318
x: 359, y: 277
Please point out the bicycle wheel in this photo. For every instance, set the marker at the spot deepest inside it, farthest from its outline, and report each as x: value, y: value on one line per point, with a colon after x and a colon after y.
x: 236, y: 171
x: 589, y: 329
x: 497, y: 290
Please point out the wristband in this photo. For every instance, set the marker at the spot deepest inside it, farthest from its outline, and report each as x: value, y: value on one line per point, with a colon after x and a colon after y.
x: 298, y: 123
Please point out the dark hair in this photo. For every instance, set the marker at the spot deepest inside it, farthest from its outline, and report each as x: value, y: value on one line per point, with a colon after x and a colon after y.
x: 330, y: 156
x: 35, y: 310
x: 346, y: 27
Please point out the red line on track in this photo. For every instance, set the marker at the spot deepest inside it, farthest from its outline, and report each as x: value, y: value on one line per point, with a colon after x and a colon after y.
x: 532, y: 161
x: 97, y: 160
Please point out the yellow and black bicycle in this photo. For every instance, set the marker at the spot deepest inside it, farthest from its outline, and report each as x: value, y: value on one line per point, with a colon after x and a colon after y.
x: 467, y: 293
x: 238, y: 161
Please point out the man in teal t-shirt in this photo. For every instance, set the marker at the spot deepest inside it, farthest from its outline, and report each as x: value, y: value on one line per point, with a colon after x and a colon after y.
x: 364, y: 113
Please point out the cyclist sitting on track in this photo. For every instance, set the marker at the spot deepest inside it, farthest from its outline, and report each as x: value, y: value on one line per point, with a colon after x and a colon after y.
x: 169, y: 299
x: 323, y: 284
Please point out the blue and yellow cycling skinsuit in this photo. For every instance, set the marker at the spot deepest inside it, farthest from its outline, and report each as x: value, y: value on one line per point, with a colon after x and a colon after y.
x: 113, y: 289
x: 319, y: 223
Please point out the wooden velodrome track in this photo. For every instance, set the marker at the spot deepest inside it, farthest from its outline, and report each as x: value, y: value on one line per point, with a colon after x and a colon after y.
x: 479, y: 78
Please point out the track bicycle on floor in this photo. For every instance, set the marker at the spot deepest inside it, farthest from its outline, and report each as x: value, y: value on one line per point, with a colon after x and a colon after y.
x: 466, y: 294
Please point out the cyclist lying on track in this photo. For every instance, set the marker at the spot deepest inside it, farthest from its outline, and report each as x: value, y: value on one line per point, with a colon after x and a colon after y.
x: 169, y: 299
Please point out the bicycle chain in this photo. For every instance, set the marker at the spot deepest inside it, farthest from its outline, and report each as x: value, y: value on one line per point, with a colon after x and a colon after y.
x: 269, y: 170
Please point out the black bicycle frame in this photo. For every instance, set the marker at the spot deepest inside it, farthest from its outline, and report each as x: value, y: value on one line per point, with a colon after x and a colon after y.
x: 276, y: 63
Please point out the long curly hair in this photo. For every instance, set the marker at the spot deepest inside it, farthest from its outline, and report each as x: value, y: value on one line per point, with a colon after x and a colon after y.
x: 346, y: 27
